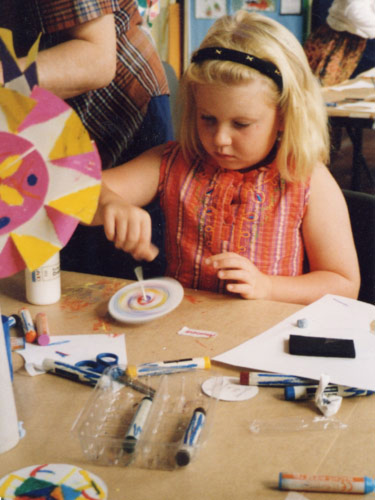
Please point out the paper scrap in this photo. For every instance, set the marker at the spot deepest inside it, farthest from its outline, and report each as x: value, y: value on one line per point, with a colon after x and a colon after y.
x: 192, y: 332
x: 328, y: 404
x: 231, y: 390
x: 73, y: 348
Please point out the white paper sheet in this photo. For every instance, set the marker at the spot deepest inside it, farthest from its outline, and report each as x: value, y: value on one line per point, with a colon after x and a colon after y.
x: 356, y: 84
x: 73, y: 348
x: 332, y: 316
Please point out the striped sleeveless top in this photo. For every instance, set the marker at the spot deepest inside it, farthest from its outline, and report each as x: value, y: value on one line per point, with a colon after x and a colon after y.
x: 209, y: 210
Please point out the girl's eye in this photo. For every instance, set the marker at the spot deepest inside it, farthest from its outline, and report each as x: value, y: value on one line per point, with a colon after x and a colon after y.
x: 208, y: 118
x: 241, y: 125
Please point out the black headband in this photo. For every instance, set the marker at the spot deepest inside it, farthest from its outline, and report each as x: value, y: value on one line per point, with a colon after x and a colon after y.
x: 222, y: 54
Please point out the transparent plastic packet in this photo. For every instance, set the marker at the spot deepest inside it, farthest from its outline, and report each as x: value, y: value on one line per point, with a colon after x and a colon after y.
x: 106, y: 419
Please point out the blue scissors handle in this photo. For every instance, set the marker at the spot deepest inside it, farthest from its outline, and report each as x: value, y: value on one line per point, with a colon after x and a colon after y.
x: 103, y: 360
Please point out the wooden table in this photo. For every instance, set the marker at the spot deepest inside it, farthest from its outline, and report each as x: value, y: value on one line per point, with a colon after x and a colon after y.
x: 234, y: 463
x: 354, y: 119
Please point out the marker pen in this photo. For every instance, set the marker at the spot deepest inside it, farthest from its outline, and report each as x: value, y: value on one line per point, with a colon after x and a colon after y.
x: 137, y: 424
x: 72, y: 372
x: 27, y: 325
x: 273, y: 379
x: 164, y: 367
x: 337, y: 484
x: 191, y: 437
x: 42, y: 329
x: 292, y: 393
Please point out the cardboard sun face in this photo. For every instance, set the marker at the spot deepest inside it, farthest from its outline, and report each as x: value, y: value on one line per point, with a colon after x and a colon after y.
x: 50, y: 175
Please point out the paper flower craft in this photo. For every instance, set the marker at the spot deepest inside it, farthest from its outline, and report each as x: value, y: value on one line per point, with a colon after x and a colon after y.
x: 50, y: 170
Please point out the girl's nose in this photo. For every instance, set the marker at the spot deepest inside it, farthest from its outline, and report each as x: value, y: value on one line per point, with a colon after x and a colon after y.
x: 222, y: 136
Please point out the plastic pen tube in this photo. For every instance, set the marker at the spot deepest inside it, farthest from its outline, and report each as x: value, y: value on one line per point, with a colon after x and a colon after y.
x: 27, y: 325
x: 293, y: 393
x: 273, y: 379
x: 71, y: 372
x: 137, y: 424
x: 164, y: 367
x: 329, y: 484
x: 42, y: 329
x: 191, y: 437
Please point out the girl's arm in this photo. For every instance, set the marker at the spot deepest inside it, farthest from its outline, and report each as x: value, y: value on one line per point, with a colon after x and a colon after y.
x: 124, y: 190
x: 329, y: 246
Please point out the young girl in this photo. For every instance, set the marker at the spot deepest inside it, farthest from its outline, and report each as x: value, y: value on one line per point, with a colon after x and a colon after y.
x: 250, y: 207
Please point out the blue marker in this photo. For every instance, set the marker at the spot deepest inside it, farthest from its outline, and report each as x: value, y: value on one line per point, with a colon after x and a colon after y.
x: 165, y: 367
x: 308, y: 392
x: 137, y: 424
x: 273, y: 379
x: 191, y: 437
x: 71, y: 372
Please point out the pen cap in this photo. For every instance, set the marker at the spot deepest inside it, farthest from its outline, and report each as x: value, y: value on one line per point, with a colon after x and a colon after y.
x: 294, y: 392
x: 244, y: 378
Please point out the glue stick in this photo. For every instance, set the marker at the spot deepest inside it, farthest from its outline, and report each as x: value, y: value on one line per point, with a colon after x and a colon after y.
x: 43, y: 286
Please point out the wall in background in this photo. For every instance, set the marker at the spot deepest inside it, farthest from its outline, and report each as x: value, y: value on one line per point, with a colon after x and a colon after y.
x: 195, y: 29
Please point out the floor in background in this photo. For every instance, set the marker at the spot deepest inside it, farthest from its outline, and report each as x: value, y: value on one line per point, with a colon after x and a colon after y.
x: 341, y: 162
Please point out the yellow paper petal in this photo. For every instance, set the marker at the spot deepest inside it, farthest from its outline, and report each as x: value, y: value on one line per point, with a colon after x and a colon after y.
x: 10, y: 196
x: 74, y: 139
x: 81, y: 204
x: 34, y: 251
x: 9, y: 166
x: 15, y: 107
x: 33, y: 52
x: 7, y: 37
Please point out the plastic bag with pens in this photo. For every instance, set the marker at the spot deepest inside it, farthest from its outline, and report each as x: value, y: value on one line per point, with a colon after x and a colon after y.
x: 163, y: 429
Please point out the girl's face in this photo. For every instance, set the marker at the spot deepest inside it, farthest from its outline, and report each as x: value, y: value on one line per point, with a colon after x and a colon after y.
x: 237, y: 124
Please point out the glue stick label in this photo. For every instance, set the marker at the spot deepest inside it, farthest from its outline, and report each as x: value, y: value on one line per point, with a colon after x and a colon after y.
x: 46, y: 273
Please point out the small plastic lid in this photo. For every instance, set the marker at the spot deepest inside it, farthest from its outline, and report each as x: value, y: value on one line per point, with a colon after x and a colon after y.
x: 244, y: 378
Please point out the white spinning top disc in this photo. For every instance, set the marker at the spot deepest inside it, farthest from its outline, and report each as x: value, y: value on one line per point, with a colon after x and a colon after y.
x: 162, y: 295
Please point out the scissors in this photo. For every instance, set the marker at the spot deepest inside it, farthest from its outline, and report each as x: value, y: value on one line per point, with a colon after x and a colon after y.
x: 103, y: 361
x: 106, y: 360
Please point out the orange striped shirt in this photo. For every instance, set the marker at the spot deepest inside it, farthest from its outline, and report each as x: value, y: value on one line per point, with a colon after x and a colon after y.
x: 209, y: 210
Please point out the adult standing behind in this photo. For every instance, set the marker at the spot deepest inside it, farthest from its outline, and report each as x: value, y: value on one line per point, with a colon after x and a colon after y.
x: 335, y: 48
x: 96, y: 55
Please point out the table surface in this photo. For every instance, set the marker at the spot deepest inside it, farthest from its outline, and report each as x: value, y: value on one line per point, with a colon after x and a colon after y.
x: 234, y: 463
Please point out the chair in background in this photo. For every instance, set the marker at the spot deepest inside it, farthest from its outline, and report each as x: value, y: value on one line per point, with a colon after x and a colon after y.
x: 173, y: 84
x: 362, y: 215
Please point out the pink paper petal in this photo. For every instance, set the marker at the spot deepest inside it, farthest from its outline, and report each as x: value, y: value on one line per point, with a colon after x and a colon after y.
x: 64, y: 225
x: 86, y: 163
x: 10, y: 260
x: 48, y: 106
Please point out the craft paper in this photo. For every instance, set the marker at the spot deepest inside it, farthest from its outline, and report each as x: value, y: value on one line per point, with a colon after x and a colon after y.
x: 50, y: 170
x: 331, y: 316
x: 73, y: 348
x: 357, y: 84
x: 53, y: 481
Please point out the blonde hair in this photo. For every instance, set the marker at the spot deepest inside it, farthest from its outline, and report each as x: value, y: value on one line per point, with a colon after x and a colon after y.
x: 304, y: 141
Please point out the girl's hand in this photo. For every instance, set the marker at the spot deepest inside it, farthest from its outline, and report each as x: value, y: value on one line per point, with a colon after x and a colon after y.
x: 129, y: 227
x: 244, y: 278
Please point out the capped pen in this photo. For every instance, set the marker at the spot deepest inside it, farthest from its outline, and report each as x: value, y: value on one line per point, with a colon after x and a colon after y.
x: 273, y: 379
x: 165, y: 367
x: 191, y: 437
x: 292, y: 393
x: 90, y: 377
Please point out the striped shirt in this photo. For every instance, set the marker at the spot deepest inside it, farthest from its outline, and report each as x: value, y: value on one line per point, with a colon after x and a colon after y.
x: 113, y: 115
x: 254, y: 214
